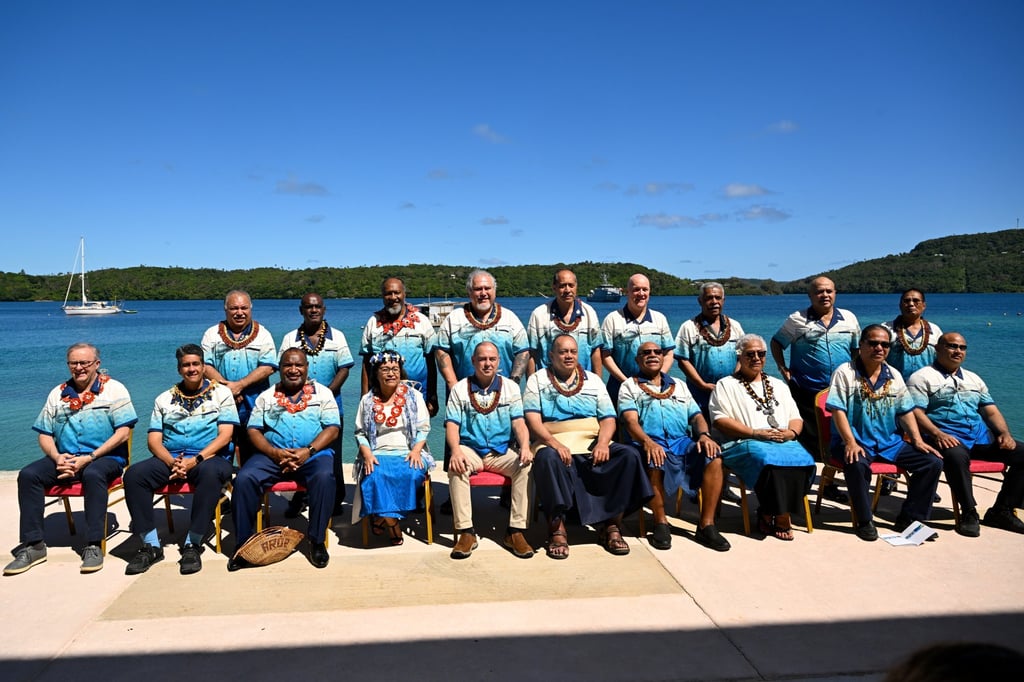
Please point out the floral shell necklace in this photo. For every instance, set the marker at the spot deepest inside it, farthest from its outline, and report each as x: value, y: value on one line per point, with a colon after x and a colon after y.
x: 495, y: 315
x: 724, y: 331
x: 295, y: 406
x: 576, y: 386
x: 903, y: 336
x: 645, y: 386
x: 407, y: 321
x: 191, y: 402
x: 240, y: 342
x: 767, y: 403
x: 84, y: 398
x: 397, y: 403
x: 492, y: 406
x: 304, y: 340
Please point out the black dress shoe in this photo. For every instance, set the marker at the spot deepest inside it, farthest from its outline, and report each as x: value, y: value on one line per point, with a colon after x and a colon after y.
x: 730, y: 495
x: 832, y: 492
x: 237, y: 563
x: 295, y: 506
x: 866, y: 531
x: 318, y: 555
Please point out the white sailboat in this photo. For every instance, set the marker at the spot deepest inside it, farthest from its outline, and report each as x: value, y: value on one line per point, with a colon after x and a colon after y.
x: 87, y: 307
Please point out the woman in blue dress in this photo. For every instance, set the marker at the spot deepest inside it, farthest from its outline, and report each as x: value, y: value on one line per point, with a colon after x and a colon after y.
x: 756, y: 416
x: 392, y: 423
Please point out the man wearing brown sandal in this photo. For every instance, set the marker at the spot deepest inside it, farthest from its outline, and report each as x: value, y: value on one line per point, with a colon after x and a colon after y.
x: 483, y: 414
x: 572, y: 421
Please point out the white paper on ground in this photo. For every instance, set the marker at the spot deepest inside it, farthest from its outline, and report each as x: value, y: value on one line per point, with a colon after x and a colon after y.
x: 913, y: 535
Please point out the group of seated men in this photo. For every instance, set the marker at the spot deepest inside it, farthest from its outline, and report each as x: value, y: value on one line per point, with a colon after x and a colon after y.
x: 593, y: 450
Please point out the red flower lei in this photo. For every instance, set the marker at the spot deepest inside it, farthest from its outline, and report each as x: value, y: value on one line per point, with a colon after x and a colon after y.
x: 225, y: 336
x: 293, y: 407
x: 495, y: 316
x: 85, y: 397
x: 407, y: 321
x: 397, y: 403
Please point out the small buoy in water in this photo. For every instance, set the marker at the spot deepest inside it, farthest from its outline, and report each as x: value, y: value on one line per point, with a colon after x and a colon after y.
x: 990, y: 324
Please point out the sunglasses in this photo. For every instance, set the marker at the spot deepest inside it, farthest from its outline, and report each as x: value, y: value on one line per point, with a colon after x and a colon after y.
x: 649, y: 351
x: 883, y: 344
x: 956, y: 346
x: 755, y: 354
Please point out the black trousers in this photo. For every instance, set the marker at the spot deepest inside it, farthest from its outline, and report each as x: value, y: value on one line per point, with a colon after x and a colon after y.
x: 207, y: 480
x: 42, y: 473
x: 956, y: 462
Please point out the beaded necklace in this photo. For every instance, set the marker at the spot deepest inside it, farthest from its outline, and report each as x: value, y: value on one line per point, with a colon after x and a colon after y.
x: 767, y: 403
x: 724, y: 330
x: 903, y: 336
x: 407, y: 321
x: 85, y: 397
x: 287, y: 403
x: 645, y: 386
x: 868, y: 393
x: 495, y: 315
x: 397, y: 403
x: 242, y: 341
x: 191, y: 402
x: 304, y: 340
x: 492, y: 406
x: 565, y: 326
x: 567, y: 392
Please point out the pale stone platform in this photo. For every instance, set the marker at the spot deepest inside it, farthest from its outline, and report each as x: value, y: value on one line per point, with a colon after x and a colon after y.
x: 825, y: 606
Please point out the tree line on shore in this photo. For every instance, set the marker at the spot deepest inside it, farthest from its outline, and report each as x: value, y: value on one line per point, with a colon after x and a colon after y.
x: 978, y: 263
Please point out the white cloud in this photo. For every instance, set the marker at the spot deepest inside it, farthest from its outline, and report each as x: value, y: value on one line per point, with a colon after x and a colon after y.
x: 713, y: 217
x: 318, y: 218
x: 665, y: 221
x: 305, y: 189
x: 736, y: 190
x: 767, y: 213
x: 500, y: 220
x: 485, y: 132
x: 783, y: 127
x: 653, y: 189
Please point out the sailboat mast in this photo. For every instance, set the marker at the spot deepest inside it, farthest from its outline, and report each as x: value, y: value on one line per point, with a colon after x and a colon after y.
x: 82, y: 247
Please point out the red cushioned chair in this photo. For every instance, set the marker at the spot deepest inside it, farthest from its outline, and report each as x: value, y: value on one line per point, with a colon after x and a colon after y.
x: 880, y: 470
x: 977, y: 466
x: 179, y: 487
x: 281, y: 487
x: 65, y: 491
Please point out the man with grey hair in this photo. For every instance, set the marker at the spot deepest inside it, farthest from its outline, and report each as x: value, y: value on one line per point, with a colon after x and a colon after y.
x: 84, y: 430
x: 240, y: 353
x: 482, y: 319
x: 624, y: 330
x: 706, y: 344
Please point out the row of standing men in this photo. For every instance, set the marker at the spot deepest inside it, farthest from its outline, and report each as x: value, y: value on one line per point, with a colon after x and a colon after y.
x: 293, y: 428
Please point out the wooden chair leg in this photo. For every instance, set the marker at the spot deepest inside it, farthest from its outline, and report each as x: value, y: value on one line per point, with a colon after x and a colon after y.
x: 807, y: 514
x: 743, y: 507
x: 67, y: 513
x: 428, y: 501
x: 170, y: 516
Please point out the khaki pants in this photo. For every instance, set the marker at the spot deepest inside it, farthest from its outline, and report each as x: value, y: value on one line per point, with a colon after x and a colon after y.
x: 507, y: 465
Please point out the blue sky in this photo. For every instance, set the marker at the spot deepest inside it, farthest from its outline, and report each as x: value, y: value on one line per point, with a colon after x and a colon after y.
x: 705, y: 139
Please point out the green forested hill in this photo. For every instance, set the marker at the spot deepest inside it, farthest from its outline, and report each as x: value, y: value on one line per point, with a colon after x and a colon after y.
x: 977, y: 263
x: 971, y: 263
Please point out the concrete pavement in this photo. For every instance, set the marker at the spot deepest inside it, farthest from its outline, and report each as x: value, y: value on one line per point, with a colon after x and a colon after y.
x: 826, y: 606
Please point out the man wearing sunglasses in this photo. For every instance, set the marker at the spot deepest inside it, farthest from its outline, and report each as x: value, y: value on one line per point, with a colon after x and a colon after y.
x: 956, y: 413
x: 870, y: 405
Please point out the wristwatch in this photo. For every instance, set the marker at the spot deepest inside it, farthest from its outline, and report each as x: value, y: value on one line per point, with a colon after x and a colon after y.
x: 312, y: 450
x: 199, y: 458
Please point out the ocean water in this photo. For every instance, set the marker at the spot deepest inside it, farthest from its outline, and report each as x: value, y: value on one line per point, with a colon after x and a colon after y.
x: 139, y: 349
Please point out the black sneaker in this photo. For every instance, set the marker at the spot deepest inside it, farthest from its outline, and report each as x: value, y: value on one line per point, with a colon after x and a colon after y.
x: 143, y: 559
x: 190, y: 562
x: 866, y: 531
x: 1006, y: 519
x: 969, y: 524
x: 710, y: 537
